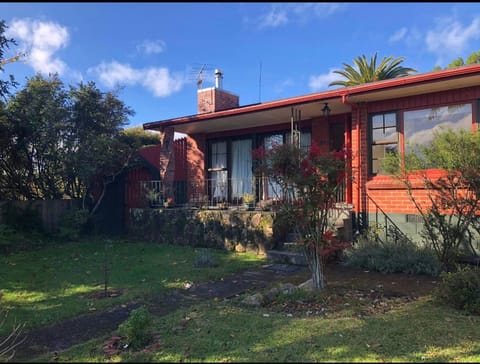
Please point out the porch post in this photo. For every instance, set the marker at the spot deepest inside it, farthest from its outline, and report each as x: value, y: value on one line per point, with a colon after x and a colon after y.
x: 167, y: 161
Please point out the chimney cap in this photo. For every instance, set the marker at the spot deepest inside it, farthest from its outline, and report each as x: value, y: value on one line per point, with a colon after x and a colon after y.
x: 218, y: 78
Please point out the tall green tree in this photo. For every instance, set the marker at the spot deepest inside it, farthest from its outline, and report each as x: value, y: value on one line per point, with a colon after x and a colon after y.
x: 34, y: 145
x: 364, y: 71
x: 97, y: 154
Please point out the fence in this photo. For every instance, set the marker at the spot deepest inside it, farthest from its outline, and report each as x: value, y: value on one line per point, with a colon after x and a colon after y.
x: 48, y: 211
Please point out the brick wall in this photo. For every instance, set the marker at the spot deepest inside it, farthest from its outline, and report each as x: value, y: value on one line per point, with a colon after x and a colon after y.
x: 215, y: 99
x: 390, y: 195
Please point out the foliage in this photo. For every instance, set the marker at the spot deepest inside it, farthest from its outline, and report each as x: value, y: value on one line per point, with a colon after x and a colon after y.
x: 136, y: 137
x: 57, y: 143
x: 309, y: 182
x: 450, y: 212
x: 137, y: 328
x: 460, y: 289
x: 72, y: 224
x: 35, y: 146
x: 365, y: 71
x: 204, y: 258
x: 5, y: 44
x: 26, y: 220
x: 248, y: 198
x: 392, y: 256
x: 473, y: 58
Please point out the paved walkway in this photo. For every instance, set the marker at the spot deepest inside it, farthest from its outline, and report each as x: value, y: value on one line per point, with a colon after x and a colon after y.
x: 63, y: 335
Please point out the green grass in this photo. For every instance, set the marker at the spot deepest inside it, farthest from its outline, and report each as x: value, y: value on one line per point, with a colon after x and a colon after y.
x: 419, y: 331
x: 52, y: 283
x: 226, y: 332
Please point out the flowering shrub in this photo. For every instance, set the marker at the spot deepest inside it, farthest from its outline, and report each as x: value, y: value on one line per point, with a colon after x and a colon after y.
x: 309, y: 182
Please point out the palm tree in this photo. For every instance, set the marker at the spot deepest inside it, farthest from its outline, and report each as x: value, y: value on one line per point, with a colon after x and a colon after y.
x: 369, y: 72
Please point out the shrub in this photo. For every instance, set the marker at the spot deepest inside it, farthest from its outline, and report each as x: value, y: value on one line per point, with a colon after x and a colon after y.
x: 72, y: 223
x: 137, y: 327
x: 392, y: 256
x: 460, y: 289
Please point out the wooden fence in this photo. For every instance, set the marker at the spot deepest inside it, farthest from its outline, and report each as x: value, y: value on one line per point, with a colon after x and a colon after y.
x: 49, y: 211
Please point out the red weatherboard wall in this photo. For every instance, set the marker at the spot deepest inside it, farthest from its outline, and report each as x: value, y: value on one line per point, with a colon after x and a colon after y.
x: 390, y: 195
x: 151, y: 154
x: 133, y: 194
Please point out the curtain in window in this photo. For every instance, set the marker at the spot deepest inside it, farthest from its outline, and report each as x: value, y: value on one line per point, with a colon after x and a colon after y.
x: 272, y: 188
x: 218, y: 162
x: 241, y: 167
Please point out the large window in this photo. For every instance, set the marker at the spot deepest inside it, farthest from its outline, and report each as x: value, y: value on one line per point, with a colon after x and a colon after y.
x: 420, y: 125
x: 383, y: 139
x: 230, y: 166
x: 418, y: 128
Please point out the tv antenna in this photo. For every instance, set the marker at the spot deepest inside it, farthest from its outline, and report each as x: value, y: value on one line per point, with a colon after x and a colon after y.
x: 203, y: 73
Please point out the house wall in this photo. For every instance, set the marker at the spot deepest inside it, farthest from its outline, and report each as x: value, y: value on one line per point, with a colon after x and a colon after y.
x: 372, y: 194
x: 196, y: 150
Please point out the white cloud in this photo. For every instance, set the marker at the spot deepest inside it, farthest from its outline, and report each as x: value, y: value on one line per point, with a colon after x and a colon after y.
x: 399, y: 35
x: 157, y: 80
x: 274, y: 18
x: 152, y: 47
x: 113, y: 73
x: 450, y: 38
x: 160, y: 82
x: 282, y: 14
x: 40, y: 40
x: 321, y: 82
x: 279, y: 88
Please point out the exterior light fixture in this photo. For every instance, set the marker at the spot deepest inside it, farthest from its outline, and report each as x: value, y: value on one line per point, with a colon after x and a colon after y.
x: 326, y: 110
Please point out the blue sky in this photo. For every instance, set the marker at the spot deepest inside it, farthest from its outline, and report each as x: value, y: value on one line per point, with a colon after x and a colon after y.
x: 267, y: 51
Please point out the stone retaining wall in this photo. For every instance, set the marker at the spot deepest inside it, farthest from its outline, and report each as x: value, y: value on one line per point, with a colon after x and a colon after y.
x: 234, y: 230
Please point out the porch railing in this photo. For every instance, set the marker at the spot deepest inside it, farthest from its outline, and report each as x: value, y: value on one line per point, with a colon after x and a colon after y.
x: 214, y: 192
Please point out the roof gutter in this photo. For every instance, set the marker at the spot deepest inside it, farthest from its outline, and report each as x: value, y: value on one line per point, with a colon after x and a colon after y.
x: 343, y: 93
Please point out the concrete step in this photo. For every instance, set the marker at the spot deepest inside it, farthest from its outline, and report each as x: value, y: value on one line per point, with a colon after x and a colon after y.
x: 286, y: 257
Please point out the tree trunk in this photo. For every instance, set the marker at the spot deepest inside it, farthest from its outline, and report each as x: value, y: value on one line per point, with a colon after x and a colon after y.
x: 315, y: 264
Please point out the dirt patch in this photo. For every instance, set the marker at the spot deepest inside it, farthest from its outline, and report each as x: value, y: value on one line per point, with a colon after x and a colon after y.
x: 348, y: 283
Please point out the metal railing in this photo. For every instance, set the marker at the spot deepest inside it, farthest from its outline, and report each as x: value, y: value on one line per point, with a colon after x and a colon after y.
x: 214, y: 192
x: 387, y: 225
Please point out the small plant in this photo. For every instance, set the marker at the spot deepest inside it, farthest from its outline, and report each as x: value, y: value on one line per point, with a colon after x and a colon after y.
x: 205, y: 259
x: 137, y: 328
x: 248, y: 198
x: 460, y: 289
x: 169, y: 202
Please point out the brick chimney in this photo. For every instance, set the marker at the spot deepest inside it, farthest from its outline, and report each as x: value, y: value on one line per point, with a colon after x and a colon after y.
x: 215, y: 98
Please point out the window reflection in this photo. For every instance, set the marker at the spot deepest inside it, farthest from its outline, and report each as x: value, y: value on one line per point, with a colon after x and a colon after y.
x: 384, y: 139
x: 420, y: 125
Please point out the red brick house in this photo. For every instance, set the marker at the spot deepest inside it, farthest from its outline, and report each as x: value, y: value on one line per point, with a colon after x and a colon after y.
x: 370, y: 119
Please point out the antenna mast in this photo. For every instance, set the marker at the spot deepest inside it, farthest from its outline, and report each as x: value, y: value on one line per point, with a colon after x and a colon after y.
x: 202, y: 72
x: 260, y: 84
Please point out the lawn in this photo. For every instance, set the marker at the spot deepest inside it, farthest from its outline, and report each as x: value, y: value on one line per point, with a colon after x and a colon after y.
x: 345, y: 323
x: 58, y: 281
x: 227, y: 331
